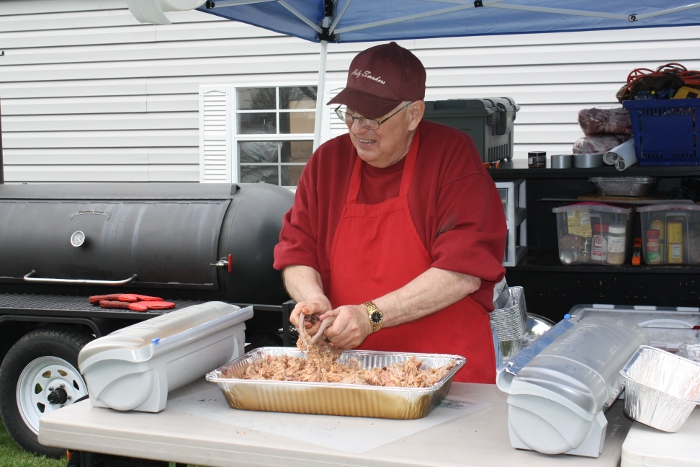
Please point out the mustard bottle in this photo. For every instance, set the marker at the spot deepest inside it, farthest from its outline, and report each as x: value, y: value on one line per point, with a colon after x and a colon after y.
x: 675, y: 243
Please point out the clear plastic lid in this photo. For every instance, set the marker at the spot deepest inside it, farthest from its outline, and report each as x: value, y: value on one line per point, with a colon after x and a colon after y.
x: 669, y: 207
x: 592, y: 206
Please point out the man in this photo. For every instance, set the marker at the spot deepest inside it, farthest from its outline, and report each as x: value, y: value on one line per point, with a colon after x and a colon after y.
x: 397, y: 230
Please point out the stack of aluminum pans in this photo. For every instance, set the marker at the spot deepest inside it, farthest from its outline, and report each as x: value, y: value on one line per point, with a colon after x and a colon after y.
x: 510, y: 323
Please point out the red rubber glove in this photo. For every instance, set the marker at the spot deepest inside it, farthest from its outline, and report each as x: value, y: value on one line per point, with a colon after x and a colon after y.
x: 150, y: 305
x: 133, y: 297
x: 113, y: 304
x: 96, y: 299
x: 123, y: 297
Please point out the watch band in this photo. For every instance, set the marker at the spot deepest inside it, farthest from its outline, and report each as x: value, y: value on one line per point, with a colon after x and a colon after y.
x: 376, y: 317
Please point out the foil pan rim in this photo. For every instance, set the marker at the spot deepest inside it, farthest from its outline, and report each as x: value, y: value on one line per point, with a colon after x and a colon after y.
x: 214, y: 376
x: 624, y: 372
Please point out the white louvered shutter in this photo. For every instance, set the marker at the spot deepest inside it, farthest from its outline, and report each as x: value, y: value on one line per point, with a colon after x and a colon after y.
x: 332, y: 126
x: 215, y: 143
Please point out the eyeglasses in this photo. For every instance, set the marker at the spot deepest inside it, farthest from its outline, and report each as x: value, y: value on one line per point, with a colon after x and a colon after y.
x: 369, y: 123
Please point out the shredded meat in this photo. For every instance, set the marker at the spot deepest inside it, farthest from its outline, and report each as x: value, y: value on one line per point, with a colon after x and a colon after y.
x: 321, y: 366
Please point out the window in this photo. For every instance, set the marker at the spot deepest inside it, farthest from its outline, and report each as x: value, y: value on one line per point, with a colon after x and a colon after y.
x: 273, y: 133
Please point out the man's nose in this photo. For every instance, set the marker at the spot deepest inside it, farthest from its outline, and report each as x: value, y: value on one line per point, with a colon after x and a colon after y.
x: 357, y: 128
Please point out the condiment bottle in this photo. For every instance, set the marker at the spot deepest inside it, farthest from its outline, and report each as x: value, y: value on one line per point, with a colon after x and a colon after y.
x: 653, y: 253
x: 616, y: 245
x: 675, y: 242
x: 599, y: 250
x: 585, y: 255
x: 658, y: 224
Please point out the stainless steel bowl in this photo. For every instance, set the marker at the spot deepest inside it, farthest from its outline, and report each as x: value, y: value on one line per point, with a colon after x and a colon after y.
x: 535, y: 327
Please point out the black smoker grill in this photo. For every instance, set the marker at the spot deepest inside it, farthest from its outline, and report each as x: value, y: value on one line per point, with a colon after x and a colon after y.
x: 184, y: 242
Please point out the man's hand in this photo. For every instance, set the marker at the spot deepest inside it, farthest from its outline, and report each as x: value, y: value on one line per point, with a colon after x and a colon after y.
x: 311, y: 309
x: 350, y: 328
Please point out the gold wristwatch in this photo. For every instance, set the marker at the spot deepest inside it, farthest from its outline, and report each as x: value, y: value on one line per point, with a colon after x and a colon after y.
x: 376, y: 318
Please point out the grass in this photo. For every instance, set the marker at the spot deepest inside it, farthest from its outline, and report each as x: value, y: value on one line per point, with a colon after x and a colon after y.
x: 12, y: 455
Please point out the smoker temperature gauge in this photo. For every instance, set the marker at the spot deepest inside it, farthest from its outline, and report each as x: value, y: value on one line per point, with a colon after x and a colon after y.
x: 77, y: 239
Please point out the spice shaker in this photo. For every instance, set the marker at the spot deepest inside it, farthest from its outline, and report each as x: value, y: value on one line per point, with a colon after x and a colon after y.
x: 616, y: 245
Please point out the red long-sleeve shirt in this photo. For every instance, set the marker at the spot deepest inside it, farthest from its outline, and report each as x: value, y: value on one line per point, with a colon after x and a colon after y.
x: 454, y: 205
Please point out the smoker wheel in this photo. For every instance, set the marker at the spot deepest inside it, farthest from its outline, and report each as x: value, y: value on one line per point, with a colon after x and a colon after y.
x: 38, y: 373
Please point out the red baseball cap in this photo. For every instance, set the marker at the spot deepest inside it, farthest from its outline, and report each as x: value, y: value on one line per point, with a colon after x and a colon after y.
x: 380, y: 78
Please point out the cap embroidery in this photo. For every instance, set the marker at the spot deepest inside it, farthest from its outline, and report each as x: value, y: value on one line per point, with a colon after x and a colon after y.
x: 367, y: 74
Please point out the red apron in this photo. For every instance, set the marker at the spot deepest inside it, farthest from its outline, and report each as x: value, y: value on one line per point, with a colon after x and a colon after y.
x: 376, y: 250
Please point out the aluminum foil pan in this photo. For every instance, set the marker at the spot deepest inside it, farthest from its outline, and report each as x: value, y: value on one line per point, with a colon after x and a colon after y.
x: 623, y: 186
x: 661, y: 388
x: 338, y: 398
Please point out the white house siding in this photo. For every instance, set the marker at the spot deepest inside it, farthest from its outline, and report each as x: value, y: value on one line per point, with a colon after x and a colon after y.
x: 90, y: 94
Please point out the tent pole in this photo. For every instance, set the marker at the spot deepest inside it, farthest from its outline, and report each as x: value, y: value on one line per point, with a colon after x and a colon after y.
x: 2, y: 163
x: 320, y: 94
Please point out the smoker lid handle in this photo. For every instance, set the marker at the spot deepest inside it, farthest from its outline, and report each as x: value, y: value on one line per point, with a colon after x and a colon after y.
x: 45, y: 280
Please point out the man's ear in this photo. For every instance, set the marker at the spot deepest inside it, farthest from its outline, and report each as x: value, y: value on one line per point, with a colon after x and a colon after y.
x: 416, y: 111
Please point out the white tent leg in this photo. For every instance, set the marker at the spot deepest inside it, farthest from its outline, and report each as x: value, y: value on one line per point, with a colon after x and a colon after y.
x: 320, y: 94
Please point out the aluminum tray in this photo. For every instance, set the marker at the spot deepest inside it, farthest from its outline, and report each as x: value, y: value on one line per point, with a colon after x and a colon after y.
x: 623, y: 186
x: 338, y: 398
x: 661, y: 389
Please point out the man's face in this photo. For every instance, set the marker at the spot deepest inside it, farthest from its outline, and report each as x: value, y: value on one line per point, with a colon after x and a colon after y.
x: 390, y: 142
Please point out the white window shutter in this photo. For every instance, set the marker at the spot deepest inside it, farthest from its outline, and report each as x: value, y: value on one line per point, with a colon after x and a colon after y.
x: 332, y: 126
x: 215, y: 144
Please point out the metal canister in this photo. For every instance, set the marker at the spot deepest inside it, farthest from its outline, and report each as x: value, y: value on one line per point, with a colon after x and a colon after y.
x: 537, y: 159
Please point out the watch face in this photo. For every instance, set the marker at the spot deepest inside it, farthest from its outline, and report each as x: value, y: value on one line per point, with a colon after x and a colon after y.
x: 376, y: 317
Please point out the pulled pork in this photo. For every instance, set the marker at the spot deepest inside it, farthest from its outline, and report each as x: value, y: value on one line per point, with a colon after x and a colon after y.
x: 321, y: 366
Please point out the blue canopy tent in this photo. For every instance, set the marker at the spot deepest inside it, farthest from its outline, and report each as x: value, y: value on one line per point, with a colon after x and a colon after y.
x: 326, y: 21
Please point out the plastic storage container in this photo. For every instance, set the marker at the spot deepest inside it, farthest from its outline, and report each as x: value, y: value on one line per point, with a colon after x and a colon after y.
x: 665, y: 131
x: 670, y: 233
x: 488, y: 121
x: 668, y: 328
x: 514, y: 202
x: 594, y: 233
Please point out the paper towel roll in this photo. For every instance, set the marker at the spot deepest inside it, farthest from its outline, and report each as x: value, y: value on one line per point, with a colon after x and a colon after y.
x: 621, y: 156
